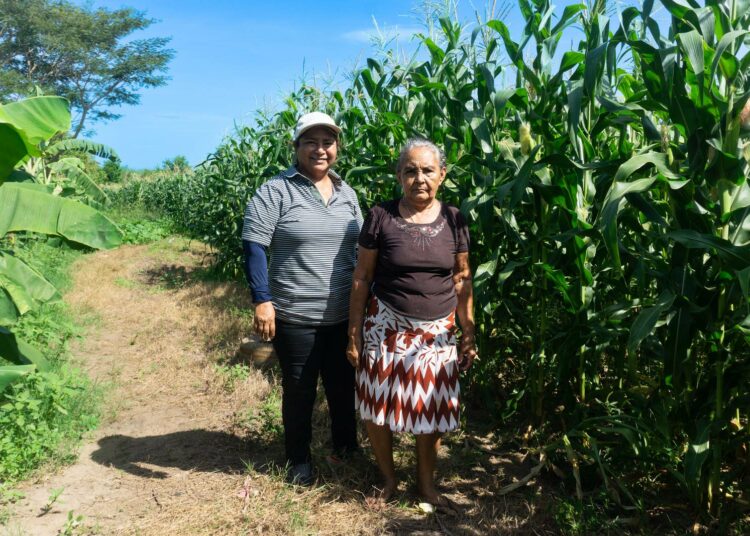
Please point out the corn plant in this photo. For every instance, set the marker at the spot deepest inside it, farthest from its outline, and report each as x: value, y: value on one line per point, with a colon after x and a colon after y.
x: 607, y: 192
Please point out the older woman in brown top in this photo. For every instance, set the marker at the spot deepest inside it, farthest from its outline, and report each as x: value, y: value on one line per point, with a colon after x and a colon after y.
x: 414, y: 257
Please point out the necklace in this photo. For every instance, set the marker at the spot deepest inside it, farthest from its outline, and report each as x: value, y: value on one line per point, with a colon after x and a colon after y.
x: 412, y: 213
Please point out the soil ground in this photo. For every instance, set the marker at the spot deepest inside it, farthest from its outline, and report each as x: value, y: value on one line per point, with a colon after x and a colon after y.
x: 192, y: 444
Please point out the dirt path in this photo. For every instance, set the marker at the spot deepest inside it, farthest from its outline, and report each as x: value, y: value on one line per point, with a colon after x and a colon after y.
x: 193, y: 448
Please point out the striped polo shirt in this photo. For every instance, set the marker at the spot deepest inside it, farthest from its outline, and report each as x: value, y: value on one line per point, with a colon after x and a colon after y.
x: 313, y: 245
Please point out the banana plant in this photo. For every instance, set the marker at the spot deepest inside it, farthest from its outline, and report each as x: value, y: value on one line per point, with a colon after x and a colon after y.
x: 61, y: 165
x: 31, y: 207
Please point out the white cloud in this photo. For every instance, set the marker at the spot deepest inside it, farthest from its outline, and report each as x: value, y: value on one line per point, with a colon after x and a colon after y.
x: 388, y: 33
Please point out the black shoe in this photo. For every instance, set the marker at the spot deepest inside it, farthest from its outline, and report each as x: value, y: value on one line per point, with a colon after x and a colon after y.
x: 300, y: 474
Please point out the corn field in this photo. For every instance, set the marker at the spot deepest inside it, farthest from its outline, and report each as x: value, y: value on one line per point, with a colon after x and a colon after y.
x: 607, y: 192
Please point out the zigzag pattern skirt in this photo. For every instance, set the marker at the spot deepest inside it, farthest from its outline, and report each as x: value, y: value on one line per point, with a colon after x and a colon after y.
x: 408, y: 374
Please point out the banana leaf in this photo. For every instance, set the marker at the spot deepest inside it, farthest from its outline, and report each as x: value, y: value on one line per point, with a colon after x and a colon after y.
x: 8, y: 311
x: 20, y: 352
x: 26, y: 287
x: 74, y: 145
x: 12, y: 373
x: 70, y: 168
x: 27, y: 123
x: 28, y: 207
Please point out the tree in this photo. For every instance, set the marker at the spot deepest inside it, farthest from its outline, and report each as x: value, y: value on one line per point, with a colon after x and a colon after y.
x: 85, y: 55
x: 179, y: 163
x: 112, y: 170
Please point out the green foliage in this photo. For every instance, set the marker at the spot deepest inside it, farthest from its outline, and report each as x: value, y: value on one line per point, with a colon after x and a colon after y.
x: 26, y: 124
x: 86, y: 55
x: 266, y: 419
x: 609, y: 208
x: 146, y: 231
x: 178, y: 164
x: 112, y: 171
x: 30, y: 207
x: 53, y: 497
x: 231, y: 375
x: 73, y: 525
x: 138, y: 225
x: 44, y: 405
x: 181, y: 197
x: 42, y: 416
x: 69, y: 168
x: 579, y: 518
x: 27, y: 207
x: 50, y: 326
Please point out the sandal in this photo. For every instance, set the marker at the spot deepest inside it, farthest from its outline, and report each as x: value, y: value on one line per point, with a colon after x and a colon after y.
x: 443, y: 505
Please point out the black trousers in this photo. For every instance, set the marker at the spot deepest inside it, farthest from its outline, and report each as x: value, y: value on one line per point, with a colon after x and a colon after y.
x: 305, y: 352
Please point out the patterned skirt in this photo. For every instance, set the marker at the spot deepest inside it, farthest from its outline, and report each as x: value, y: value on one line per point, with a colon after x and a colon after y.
x: 408, y: 374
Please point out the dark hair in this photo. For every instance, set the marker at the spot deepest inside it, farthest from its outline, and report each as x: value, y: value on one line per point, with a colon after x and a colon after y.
x: 417, y: 143
x: 330, y: 130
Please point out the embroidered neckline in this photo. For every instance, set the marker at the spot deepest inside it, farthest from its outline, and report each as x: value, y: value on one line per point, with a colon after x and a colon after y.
x: 421, y: 233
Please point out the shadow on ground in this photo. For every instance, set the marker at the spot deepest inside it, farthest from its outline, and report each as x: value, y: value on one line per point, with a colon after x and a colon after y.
x: 190, y: 450
x: 173, y: 276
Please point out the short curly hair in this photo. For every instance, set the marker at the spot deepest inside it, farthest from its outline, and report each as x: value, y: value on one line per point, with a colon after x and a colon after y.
x: 418, y: 143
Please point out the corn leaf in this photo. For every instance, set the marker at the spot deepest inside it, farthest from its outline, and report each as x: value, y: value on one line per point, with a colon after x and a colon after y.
x: 724, y: 43
x: 646, y: 320
x: 737, y: 257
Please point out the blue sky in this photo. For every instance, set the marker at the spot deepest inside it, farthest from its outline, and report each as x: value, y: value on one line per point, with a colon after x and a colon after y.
x: 233, y: 57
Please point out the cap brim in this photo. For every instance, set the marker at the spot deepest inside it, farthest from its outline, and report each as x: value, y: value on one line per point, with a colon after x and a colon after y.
x: 335, y: 128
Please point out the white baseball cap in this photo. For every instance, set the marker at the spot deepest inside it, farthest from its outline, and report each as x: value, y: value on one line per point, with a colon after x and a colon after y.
x: 314, y: 119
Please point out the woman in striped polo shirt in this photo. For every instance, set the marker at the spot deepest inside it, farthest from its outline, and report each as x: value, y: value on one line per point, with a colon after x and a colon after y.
x: 414, y: 256
x: 310, y: 220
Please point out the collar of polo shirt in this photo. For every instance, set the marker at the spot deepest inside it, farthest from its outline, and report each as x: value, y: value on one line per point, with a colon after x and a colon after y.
x: 292, y: 172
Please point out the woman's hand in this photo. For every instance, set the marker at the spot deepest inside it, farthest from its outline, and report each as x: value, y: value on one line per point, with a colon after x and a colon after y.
x: 467, y: 352
x: 354, y: 349
x: 264, y: 321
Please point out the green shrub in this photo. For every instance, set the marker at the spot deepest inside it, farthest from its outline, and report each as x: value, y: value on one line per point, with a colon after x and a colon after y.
x: 146, y: 231
x: 42, y: 417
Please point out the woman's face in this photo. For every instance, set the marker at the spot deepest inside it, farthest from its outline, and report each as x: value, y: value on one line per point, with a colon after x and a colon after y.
x: 420, y: 175
x: 316, y: 152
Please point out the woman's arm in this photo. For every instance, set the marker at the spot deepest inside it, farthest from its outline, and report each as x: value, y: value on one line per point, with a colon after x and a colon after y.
x: 256, y: 272
x: 465, y: 310
x: 363, y: 276
x: 261, y: 215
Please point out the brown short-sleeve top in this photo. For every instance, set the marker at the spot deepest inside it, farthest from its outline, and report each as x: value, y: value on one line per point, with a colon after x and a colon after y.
x: 414, y: 270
